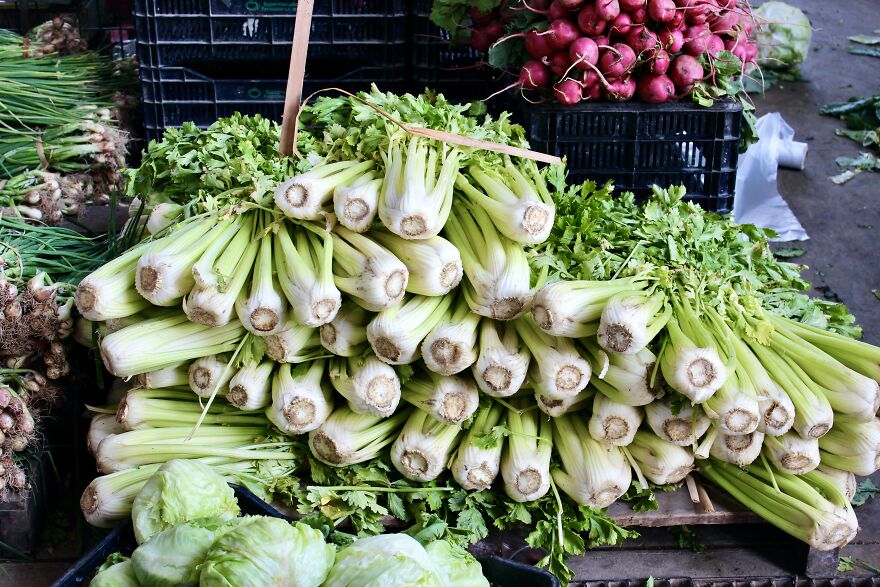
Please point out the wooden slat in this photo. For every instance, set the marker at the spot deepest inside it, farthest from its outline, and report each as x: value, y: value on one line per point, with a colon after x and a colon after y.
x: 676, y: 508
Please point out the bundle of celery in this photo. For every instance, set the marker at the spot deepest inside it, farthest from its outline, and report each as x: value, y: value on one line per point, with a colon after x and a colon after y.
x: 443, y: 329
x: 56, y: 117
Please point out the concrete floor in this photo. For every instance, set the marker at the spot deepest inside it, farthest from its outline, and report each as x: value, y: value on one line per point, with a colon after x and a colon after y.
x: 844, y: 258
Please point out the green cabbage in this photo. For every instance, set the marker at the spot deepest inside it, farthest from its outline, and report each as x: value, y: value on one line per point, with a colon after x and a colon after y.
x: 171, y: 557
x: 263, y: 551
x: 783, y: 36
x: 387, y: 560
x: 119, y: 575
x: 180, y: 491
x: 459, y: 566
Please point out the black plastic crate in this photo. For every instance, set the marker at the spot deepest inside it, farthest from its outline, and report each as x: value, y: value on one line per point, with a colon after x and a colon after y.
x: 499, y: 571
x: 638, y: 145
x: 174, y: 95
x: 457, y: 71
x: 191, y: 32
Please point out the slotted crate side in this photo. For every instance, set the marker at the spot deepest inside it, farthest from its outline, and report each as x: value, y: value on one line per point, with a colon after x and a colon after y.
x: 184, y: 32
x: 450, y: 69
x: 637, y: 145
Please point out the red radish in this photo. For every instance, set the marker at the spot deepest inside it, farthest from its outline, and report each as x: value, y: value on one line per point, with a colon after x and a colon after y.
x: 655, y: 88
x: 639, y: 16
x: 677, y: 21
x: 751, y: 52
x: 677, y: 42
x: 621, y: 90
x: 714, y: 45
x: 556, y: 11
x: 533, y: 75
x: 562, y: 33
x: 726, y: 4
x: 480, y: 40
x: 747, y: 24
x: 684, y: 72
x: 661, y: 10
x: 617, y: 61
x: 740, y: 51
x: 583, y: 53
x: 660, y: 62
x: 642, y: 39
x: 602, y: 40
x: 571, y: 5
x: 592, y: 92
x: 724, y: 23
x: 559, y: 63
x: 568, y: 92
x: 483, y: 18
x: 537, y: 45
x: 589, y: 21
x: 631, y: 5
x: 696, y: 40
x: 607, y: 9
x: 589, y: 77
x: 621, y: 24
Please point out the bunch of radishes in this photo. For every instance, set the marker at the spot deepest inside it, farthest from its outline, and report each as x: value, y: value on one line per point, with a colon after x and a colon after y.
x: 616, y: 49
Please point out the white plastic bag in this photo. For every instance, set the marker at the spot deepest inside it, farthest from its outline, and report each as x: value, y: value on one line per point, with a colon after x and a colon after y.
x: 757, y: 200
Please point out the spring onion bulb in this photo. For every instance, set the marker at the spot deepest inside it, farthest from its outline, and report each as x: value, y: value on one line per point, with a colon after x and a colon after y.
x: 100, y: 427
x: 525, y: 461
x: 682, y: 427
x: 370, y: 386
x: 356, y: 204
x: 735, y: 405
x: 477, y: 460
x: 791, y: 453
x: 808, y: 508
x: 558, y: 371
x: 503, y: 361
x: 741, y: 450
x: 164, y: 271
x: 367, y: 271
x: 416, y: 194
x: 294, y: 344
x: 434, y: 264
x: 451, y: 346
x: 163, y: 341
x: 813, y: 415
x: 557, y: 407
x: 303, y: 196
x: 395, y: 333
x: 264, y: 311
x: 424, y: 446
x: 592, y: 473
x: 449, y: 399
x: 300, y: 403
x: 694, y: 371
x: 163, y: 408
x: 304, y: 262
x: 208, y: 375
x: 346, y: 334
x: 519, y: 205
x: 852, y: 445
x: 109, y: 292
x: 845, y: 481
x: 573, y: 308
x: 630, y: 320
x: 613, y: 423
x: 498, y: 283
x: 347, y: 438
x: 173, y: 376
x: 250, y: 387
x: 660, y: 461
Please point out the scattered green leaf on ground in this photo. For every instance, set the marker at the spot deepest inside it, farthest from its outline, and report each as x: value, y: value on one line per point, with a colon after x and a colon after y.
x: 866, y: 490
x: 789, y: 252
x: 687, y: 539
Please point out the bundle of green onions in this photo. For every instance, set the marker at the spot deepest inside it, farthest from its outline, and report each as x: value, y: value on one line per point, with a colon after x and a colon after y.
x: 627, y: 345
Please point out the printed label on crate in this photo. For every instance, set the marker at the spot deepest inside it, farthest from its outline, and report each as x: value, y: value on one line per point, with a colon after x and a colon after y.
x: 259, y: 7
x: 268, y: 95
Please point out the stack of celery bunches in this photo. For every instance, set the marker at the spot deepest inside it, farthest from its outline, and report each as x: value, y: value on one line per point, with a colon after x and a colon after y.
x: 60, y: 145
x: 400, y: 317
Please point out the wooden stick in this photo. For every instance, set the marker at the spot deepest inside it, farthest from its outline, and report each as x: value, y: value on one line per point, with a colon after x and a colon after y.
x: 295, y: 75
x: 692, y: 488
x: 708, y: 507
x: 439, y: 135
